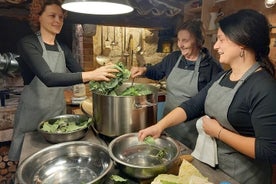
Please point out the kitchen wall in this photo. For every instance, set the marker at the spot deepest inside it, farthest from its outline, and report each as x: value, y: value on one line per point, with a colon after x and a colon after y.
x: 128, y: 41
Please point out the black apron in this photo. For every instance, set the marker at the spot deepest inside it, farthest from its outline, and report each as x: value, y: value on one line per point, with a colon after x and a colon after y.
x: 240, y: 167
x: 181, y: 86
x: 38, y: 102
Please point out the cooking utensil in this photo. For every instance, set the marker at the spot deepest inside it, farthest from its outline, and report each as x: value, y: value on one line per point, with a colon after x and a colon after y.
x: 125, y: 53
x: 9, y: 64
x: 107, y: 42
x: 101, y: 59
x: 117, y: 115
x: 128, y: 51
x: 139, y: 48
x: 64, y: 136
x: 143, y: 160
x: 70, y: 162
x: 114, y: 42
x: 132, y: 82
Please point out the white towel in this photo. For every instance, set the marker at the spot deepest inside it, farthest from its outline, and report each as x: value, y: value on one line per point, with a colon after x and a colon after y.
x: 206, y: 146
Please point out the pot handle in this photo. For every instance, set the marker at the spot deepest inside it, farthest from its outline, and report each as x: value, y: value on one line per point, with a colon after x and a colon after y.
x: 146, y: 104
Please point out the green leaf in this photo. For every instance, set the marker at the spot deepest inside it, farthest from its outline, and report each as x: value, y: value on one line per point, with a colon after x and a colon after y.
x: 107, y: 87
x: 149, y: 140
x: 117, y: 178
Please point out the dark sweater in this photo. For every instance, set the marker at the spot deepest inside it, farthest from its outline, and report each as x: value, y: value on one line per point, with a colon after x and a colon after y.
x: 32, y: 64
x: 208, y: 69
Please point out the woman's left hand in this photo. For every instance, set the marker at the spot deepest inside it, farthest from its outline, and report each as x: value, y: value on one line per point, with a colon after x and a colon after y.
x: 211, y: 126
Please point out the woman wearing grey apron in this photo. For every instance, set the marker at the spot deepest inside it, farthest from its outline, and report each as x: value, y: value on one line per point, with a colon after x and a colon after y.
x: 240, y: 103
x: 44, y: 64
x: 186, y: 71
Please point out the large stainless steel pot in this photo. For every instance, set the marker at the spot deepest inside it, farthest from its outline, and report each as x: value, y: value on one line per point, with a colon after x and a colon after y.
x: 117, y: 115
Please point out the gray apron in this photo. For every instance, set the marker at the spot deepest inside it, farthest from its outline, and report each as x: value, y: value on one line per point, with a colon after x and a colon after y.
x: 38, y: 102
x: 181, y: 86
x: 240, y: 167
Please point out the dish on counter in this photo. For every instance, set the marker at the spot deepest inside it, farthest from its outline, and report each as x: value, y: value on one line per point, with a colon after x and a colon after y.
x: 70, y: 162
x: 64, y: 128
x: 140, y: 159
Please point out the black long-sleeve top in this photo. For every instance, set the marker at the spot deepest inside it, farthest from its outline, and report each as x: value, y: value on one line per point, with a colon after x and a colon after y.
x: 32, y: 64
x: 208, y: 68
x: 252, y: 112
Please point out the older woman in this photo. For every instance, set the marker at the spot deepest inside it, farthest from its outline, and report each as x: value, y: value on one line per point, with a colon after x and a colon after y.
x: 187, y: 71
x: 240, y: 103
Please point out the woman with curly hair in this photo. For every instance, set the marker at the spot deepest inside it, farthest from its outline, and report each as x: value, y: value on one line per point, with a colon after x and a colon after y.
x: 47, y: 66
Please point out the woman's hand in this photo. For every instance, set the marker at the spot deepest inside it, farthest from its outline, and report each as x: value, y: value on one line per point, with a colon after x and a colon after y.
x: 103, y: 73
x: 243, y: 144
x: 137, y: 71
x: 211, y: 126
x: 154, y: 131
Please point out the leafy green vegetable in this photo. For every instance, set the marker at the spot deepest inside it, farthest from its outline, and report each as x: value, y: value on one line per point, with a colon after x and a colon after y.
x: 149, y: 140
x: 117, y: 178
x: 63, y: 125
x: 107, y: 87
x: 161, y: 154
x: 136, y: 90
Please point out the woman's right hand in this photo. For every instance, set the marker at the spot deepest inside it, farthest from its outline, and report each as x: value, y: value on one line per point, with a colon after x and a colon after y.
x: 137, y: 71
x: 153, y: 131
x: 103, y: 73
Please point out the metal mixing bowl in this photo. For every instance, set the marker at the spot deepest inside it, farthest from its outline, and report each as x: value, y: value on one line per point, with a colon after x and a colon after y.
x: 64, y: 136
x: 142, y: 160
x: 66, y: 163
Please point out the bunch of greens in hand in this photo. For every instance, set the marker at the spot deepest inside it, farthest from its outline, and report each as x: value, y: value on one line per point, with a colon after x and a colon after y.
x: 108, y: 87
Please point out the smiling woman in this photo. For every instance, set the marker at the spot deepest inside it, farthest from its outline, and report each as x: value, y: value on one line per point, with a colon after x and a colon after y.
x: 47, y: 66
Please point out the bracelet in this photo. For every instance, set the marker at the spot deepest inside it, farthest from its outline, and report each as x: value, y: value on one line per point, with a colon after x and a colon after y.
x: 219, y: 133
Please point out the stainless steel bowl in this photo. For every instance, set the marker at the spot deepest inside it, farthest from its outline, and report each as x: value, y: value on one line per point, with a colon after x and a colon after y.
x: 64, y: 136
x: 66, y: 163
x: 141, y: 160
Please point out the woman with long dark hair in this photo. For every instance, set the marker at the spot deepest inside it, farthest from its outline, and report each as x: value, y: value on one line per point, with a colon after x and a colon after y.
x: 239, y: 106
